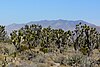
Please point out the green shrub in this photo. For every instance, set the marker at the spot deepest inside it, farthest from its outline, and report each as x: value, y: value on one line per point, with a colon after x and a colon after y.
x: 75, y: 59
x: 84, y: 50
x: 23, y: 48
x: 45, y: 50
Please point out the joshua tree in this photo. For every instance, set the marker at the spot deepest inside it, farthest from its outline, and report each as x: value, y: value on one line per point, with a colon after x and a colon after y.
x: 15, y: 39
x: 2, y: 33
x: 83, y: 39
x: 86, y: 38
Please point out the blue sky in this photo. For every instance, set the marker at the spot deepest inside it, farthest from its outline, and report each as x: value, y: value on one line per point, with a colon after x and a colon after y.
x: 23, y: 11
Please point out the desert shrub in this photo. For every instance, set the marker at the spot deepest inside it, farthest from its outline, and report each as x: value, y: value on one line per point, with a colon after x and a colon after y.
x: 45, y: 50
x: 59, y: 60
x: 84, y: 50
x: 74, y: 60
x: 23, y: 48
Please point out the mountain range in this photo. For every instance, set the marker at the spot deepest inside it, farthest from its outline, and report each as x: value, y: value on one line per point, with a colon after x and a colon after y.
x: 56, y: 24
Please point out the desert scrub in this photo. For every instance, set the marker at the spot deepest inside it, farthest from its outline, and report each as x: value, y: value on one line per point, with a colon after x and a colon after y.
x: 59, y: 60
x: 84, y: 50
x: 87, y: 62
x: 23, y: 48
x: 74, y: 60
x: 45, y: 50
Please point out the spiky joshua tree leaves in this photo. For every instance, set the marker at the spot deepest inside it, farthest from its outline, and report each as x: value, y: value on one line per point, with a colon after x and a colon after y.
x: 87, y: 39
x: 84, y: 38
x: 2, y: 33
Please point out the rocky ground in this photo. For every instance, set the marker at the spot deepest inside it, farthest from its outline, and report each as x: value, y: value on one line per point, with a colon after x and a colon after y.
x: 36, y: 58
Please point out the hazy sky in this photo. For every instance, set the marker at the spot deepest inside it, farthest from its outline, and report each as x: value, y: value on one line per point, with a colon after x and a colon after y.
x: 23, y: 11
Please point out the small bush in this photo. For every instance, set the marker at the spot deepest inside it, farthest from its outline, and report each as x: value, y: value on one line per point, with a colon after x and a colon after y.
x: 45, y: 50
x: 84, y: 50
x: 23, y: 48
x: 74, y: 60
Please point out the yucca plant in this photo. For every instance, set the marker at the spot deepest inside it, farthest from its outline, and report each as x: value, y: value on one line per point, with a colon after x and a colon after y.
x: 3, y: 33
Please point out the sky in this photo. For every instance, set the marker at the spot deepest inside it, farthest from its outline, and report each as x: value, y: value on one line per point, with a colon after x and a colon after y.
x: 23, y: 11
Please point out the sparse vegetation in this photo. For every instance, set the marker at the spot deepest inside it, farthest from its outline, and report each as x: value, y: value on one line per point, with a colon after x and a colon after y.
x: 34, y: 40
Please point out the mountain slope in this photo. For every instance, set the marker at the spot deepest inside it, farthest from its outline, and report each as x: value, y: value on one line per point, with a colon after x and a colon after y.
x: 63, y: 24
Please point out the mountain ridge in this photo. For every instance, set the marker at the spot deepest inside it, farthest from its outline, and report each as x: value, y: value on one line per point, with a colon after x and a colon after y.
x: 56, y: 24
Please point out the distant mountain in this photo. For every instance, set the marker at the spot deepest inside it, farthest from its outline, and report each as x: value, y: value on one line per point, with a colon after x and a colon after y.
x: 56, y: 24
x: 13, y: 26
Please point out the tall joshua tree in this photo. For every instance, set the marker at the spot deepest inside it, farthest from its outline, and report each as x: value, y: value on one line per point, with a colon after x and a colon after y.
x: 2, y: 33
x: 86, y: 38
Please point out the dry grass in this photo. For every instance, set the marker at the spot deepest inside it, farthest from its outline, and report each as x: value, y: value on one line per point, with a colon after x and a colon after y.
x: 50, y: 58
